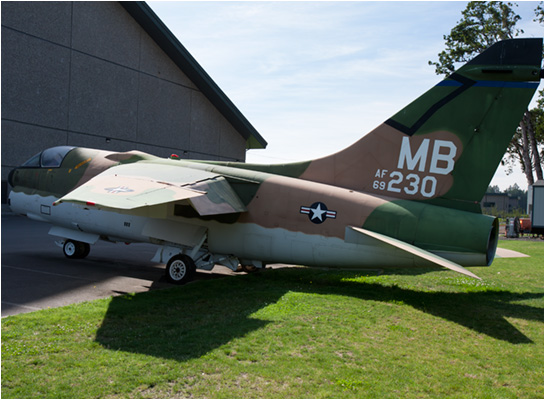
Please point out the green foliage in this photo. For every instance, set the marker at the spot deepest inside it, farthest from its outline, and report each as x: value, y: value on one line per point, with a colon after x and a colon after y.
x: 539, y: 13
x: 515, y: 191
x: 493, y: 189
x: 294, y: 333
x: 483, y: 24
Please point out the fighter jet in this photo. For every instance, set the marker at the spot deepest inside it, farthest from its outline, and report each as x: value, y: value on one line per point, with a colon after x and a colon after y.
x: 406, y: 194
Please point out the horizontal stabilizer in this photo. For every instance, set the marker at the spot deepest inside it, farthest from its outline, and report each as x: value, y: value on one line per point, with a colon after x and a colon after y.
x: 505, y: 253
x: 416, y: 251
x: 132, y: 186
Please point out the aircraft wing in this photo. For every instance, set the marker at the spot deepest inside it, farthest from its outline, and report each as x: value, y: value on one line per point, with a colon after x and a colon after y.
x: 131, y: 186
x: 415, y: 251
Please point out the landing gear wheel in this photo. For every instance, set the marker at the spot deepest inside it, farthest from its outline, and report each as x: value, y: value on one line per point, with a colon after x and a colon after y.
x: 86, y: 249
x: 74, y: 249
x: 180, y: 269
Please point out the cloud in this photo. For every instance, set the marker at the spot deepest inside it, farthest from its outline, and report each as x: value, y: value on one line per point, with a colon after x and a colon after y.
x: 313, y: 77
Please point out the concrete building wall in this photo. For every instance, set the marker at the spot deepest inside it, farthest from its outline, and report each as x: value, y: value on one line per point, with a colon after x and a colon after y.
x: 87, y: 74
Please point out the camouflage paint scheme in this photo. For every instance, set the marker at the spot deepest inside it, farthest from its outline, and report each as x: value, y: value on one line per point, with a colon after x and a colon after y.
x: 406, y: 194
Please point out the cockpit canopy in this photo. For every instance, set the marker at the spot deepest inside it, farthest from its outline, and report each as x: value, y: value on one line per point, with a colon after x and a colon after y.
x: 49, y: 158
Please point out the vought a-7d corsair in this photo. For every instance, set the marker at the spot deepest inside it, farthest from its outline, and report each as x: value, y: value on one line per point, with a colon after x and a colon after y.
x: 405, y: 195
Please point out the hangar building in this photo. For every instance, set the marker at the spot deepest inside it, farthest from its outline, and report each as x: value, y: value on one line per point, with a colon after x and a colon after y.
x: 109, y: 75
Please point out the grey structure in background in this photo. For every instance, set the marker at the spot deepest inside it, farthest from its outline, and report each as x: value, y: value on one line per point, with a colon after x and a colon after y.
x: 502, y: 203
x: 109, y: 75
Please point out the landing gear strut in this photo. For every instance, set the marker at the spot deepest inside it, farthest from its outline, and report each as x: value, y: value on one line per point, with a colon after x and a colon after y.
x: 74, y: 249
x: 180, y: 269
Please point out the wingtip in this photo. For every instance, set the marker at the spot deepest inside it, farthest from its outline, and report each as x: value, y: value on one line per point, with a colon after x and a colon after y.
x: 458, y: 268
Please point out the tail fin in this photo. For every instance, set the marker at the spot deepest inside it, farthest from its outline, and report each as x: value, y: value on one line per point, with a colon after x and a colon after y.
x: 445, y: 146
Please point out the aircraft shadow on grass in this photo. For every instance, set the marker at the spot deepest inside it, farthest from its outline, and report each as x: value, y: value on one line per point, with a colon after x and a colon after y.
x: 187, y: 322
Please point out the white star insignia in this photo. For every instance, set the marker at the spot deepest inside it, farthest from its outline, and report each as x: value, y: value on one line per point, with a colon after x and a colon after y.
x: 317, y: 212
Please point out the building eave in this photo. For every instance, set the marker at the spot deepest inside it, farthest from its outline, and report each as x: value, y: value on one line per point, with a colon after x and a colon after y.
x: 165, y: 39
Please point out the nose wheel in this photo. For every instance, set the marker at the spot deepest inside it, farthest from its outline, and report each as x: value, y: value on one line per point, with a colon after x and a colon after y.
x: 180, y: 269
x: 74, y: 249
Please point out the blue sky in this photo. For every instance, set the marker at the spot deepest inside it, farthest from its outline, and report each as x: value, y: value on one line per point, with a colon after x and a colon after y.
x: 313, y: 77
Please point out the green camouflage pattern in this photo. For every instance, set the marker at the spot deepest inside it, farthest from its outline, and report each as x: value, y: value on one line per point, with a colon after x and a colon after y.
x: 405, y: 194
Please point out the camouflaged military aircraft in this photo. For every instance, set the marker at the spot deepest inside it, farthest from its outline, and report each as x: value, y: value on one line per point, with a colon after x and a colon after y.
x: 405, y: 195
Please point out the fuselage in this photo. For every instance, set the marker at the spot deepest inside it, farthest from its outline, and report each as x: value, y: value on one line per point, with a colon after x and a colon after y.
x: 288, y: 220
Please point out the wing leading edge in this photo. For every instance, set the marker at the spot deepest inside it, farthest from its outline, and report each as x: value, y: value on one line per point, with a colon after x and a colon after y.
x: 131, y: 186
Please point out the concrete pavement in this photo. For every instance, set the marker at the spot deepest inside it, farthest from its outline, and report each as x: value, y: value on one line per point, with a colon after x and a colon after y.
x: 36, y: 275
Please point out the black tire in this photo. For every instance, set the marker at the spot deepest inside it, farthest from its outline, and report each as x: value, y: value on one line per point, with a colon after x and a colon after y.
x: 86, y: 248
x: 180, y: 269
x: 76, y: 250
x: 249, y: 269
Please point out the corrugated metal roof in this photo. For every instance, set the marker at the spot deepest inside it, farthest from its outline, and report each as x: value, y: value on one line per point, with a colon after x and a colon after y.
x: 166, y: 40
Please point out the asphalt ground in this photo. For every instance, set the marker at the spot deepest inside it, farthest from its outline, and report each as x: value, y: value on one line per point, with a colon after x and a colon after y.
x: 36, y: 275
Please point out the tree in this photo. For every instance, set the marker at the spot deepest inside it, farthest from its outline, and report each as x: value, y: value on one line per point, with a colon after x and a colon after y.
x: 536, y: 116
x: 493, y: 189
x: 515, y: 191
x: 526, y: 147
x: 483, y: 24
x: 539, y: 13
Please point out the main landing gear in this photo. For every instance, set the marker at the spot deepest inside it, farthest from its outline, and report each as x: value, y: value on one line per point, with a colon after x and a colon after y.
x: 74, y: 249
x: 180, y: 269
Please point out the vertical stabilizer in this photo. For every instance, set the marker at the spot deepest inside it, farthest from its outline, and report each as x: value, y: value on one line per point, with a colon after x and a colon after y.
x: 445, y: 146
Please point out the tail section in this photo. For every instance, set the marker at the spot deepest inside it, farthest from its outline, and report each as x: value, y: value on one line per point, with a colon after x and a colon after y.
x: 445, y: 146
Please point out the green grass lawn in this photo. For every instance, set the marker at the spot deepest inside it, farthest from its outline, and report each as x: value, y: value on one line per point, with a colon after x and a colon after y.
x: 296, y: 332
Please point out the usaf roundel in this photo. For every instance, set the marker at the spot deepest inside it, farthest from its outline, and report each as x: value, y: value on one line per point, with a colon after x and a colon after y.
x: 119, y: 189
x: 318, y: 212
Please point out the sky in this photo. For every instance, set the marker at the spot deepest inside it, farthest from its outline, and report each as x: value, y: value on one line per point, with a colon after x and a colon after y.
x: 315, y: 76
